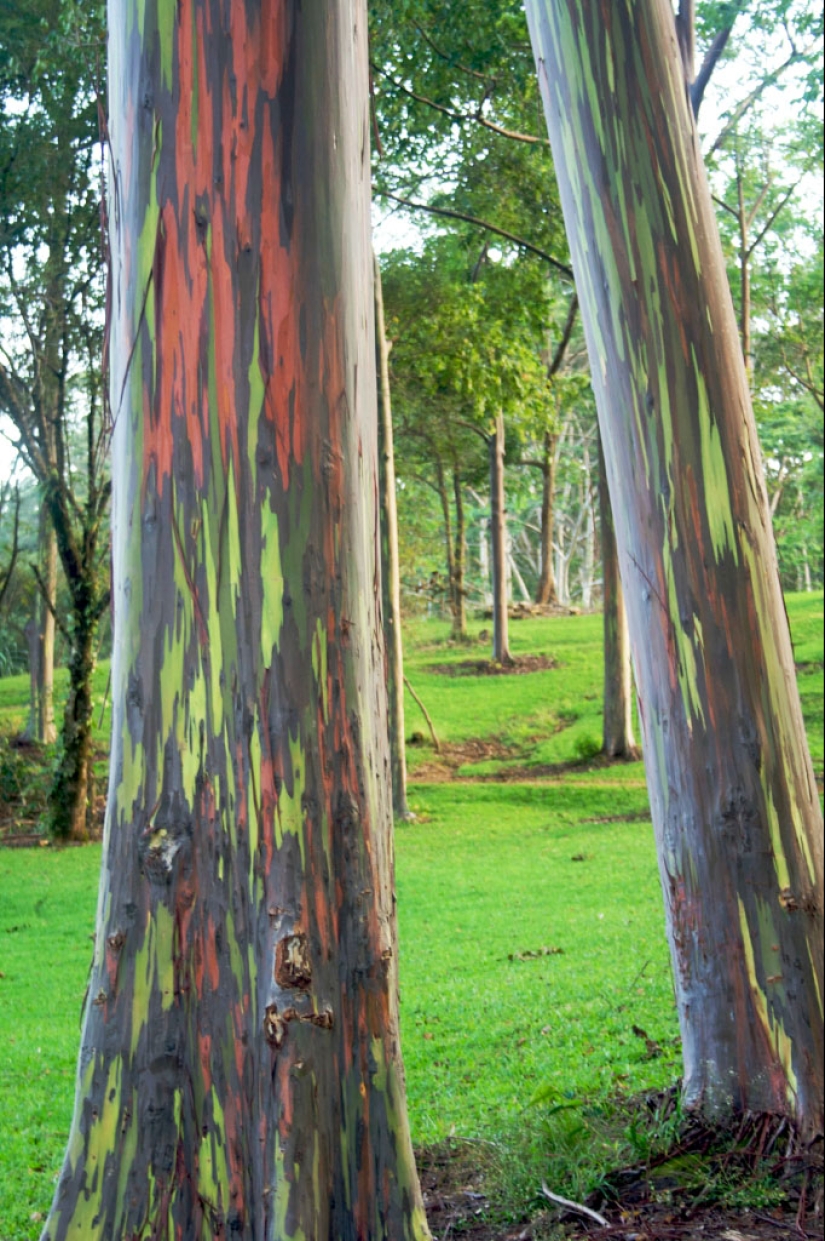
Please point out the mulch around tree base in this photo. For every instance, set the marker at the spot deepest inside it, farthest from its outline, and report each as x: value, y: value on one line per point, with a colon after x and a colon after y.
x: 643, y: 1205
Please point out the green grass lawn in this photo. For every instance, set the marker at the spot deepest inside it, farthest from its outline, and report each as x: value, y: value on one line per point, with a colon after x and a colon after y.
x: 530, y: 918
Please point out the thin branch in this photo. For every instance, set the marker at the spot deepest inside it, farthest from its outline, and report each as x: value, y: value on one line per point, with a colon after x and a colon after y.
x: 772, y: 218
x: 561, y: 351
x: 376, y: 132
x: 686, y: 31
x: 753, y: 98
x: 471, y: 73
x: 58, y: 620
x: 808, y: 384
x: 575, y: 1206
x: 720, y: 202
x: 426, y: 714
x: 751, y: 215
x: 15, y: 546
x: 699, y: 86
x: 449, y: 214
x: 460, y: 117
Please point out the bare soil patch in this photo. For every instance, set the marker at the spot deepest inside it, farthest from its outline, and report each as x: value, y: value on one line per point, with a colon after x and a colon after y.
x: 520, y: 666
x: 445, y: 764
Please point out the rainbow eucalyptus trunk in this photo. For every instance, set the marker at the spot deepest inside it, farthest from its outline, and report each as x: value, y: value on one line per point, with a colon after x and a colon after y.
x: 240, y: 1073
x: 732, y: 789
x: 390, y: 563
x: 619, y: 741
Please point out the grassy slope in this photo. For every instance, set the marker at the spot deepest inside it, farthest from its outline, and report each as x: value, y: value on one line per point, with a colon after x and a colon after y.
x: 486, y: 876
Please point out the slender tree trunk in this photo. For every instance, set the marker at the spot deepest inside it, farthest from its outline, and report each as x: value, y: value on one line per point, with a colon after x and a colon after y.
x: 514, y: 573
x: 390, y: 563
x: 732, y: 788
x: 41, y: 636
x: 498, y: 528
x: 806, y: 568
x: 484, y: 558
x: 588, y: 570
x: 69, y: 799
x: 240, y: 1073
x: 46, y: 730
x: 546, y: 592
x: 460, y: 558
x: 562, y: 561
x: 446, y: 513
x: 744, y: 272
x: 619, y: 741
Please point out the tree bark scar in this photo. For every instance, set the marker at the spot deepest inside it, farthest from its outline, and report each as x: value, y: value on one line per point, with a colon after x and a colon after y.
x: 276, y: 1023
x: 293, y: 968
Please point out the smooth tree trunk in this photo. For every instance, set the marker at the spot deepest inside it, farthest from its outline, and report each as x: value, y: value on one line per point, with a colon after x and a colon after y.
x: 546, y: 591
x: 240, y: 1071
x: 588, y: 569
x: 498, y: 538
x: 459, y: 558
x: 390, y: 563
x: 514, y: 574
x: 484, y: 558
x: 732, y: 788
x: 619, y: 741
x: 745, y: 252
x: 41, y: 637
x: 454, y: 599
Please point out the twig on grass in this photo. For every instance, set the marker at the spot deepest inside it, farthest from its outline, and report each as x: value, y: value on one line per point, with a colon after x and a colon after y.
x: 575, y: 1206
x: 426, y: 714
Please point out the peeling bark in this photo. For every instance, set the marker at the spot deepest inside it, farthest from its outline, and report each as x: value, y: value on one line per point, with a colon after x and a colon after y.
x: 733, y: 795
x: 240, y: 1071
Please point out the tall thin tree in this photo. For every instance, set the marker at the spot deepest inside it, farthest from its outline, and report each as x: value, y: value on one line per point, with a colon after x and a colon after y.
x: 391, y: 568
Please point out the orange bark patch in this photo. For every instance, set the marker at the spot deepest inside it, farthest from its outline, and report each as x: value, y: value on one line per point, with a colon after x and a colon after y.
x: 205, y: 1056
x: 280, y: 353
x: 271, y: 40
x: 210, y: 957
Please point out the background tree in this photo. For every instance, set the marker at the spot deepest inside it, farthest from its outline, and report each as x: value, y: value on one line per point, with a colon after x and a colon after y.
x: 466, y: 354
x: 740, y: 843
x: 618, y: 740
x: 390, y: 565
x: 51, y: 295
x: 240, y: 1071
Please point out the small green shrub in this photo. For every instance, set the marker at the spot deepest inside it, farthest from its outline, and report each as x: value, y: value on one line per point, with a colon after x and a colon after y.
x: 25, y: 773
x: 586, y: 747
